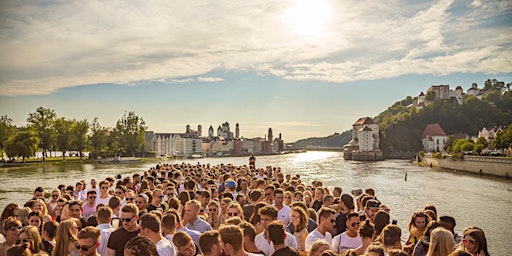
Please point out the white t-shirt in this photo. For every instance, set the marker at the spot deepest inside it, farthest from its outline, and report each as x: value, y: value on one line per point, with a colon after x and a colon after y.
x: 166, y: 248
x: 284, y: 215
x: 343, y: 242
x: 103, y: 200
x: 267, y: 247
x: 316, y: 235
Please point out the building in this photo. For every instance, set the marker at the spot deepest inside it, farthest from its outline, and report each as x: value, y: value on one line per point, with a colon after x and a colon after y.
x: 441, y: 91
x: 364, y: 145
x: 433, y: 138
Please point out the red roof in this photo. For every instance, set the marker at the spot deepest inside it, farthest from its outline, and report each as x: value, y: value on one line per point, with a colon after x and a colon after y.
x: 433, y: 130
x: 364, y: 120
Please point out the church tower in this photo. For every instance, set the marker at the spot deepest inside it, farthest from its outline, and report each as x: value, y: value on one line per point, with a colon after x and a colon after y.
x: 270, y: 137
x: 237, y: 131
x: 210, y: 132
x: 199, y: 130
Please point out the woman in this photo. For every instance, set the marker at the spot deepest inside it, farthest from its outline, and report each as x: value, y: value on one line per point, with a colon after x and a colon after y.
x: 224, y: 202
x: 40, y: 206
x: 11, y: 227
x: 30, y: 234
x: 255, y: 218
x: 367, y: 233
x: 475, y: 242
x: 66, y: 238
x: 422, y: 246
x: 417, y: 226
x: 287, y: 198
x: 299, y: 219
x: 380, y: 221
x: 52, y: 203
x: 10, y: 210
x: 213, y: 214
x: 35, y: 219
x: 22, y: 215
x: 184, y: 197
x: 441, y: 242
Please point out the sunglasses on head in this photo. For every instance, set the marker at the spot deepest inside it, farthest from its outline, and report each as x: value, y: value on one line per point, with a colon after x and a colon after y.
x: 83, y: 247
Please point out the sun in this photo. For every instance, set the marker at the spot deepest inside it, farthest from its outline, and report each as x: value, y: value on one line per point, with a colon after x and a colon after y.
x: 309, y: 17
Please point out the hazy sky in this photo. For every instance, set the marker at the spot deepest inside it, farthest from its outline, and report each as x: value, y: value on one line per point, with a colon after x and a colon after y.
x: 305, y: 67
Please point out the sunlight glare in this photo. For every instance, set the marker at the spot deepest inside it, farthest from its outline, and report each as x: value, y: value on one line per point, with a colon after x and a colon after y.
x: 309, y: 17
x: 312, y: 156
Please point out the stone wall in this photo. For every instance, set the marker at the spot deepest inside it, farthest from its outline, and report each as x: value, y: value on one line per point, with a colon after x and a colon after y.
x: 497, y: 166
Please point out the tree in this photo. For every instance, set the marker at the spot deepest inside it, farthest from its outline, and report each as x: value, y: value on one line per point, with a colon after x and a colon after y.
x: 43, y: 121
x: 448, y: 145
x: 431, y: 96
x: 503, y: 138
x: 98, y: 139
x: 63, y: 128
x: 131, y: 130
x: 482, y: 141
x: 6, y: 131
x: 79, y: 132
x: 23, y: 144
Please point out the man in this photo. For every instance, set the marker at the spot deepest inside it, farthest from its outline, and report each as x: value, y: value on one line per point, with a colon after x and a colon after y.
x: 168, y: 225
x: 346, y: 206
x: 121, y: 193
x: 141, y: 201
x: 283, y: 213
x: 268, y: 214
x: 89, y: 207
x: 115, y: 204
x: 449, y: 223
x: 104, y: 196
x: 104, y: 217
x: 328, y: 201
x: 275, y: 232
x: 255, y: 196
x: 156, y: 203
x: 136, y: 182
x: 184, y: 244
x: 249, y: 236
x: 325, y: 225
x: 391, y: 237
x: 48, y: 234
x: 38, y: 193
x: 150, y: 226
x: 269, y: 194
x: 191, y: 216
x: 231, y: 237
x: 88, y: 241
x: 230, y: 187
x: 210, y: 243
x: 119, y: 238
x: 349, y: 239
x: 77, y: 193
x: 75, y: 211
x: 94, y: 187
x: 178, y: 225
x: 371, y: 208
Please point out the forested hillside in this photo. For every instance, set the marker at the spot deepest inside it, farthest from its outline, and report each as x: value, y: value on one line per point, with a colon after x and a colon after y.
x: 335, y: 140
x: 401, y: 125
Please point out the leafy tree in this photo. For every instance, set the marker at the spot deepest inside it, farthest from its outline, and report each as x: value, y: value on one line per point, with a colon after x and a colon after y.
x: 503, y: 138
x: 478, y: 148
x: 63, y: 128
x: 43, y: 121
x: 98, y: 139
x: 79, y: 132
x: 448, y: 145
x: 6, y: 131
x: 130, y: 130
x: 482, y: 141
x: 23, y: 143
x: 467, y: 146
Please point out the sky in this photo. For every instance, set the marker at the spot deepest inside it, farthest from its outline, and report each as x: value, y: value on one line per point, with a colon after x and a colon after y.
x: 306, y: 68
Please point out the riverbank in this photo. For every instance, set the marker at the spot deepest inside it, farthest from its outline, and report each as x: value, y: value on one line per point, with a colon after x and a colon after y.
x: 483, y: 165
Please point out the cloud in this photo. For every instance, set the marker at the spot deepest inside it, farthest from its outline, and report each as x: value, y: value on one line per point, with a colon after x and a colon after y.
x: 51, y: 45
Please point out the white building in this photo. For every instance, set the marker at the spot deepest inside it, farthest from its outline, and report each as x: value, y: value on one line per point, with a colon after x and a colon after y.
x: 433, y: 138
x: 365, y: 134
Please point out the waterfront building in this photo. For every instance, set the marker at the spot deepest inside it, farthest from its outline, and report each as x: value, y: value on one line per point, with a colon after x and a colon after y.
x: 433, y: 138
x: 364, y: 145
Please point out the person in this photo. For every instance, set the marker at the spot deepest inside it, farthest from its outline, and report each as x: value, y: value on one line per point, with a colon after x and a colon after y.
x: 397, y: 252
x: 11, y: 228
x: 367, y: 234
x: 380, y: 221
x: 210, y: 244
x: 40, y: 206
x: 249, y: 237
x: 318, y: 247
x: 156, y: 203
x: 349, y: 239
x: 422, y: 246
x: 449, y: 223
x: 52, y: 203
x: 318, y: 200
x: 299, y: 220
x: 391, y: 237
x: 185, y: 245
x: 104, y: 196
x: 255, y: 218
x: 75, y: 211
x: 48, y: 235
x: 275, y: 232
x: 371, y: 208
x: 104, y: 217
x: 119, y: 238
x: 234, y: 210
x: 267, y: 215
x: 150, y: 226
x: 283, y: 211
x: 35, y: 219
x: 474, y: 242
x: 346, y: 207
x: 325, y: 226
x: 22, y: 215
x: 213, y: 217
x: 141, y: 201
x: 417, y: 226
x: 311, y: 219
x: 66, y: 238
x: 89, y: 208
x: 88, y: 241
x: 441, y: 242
x: 374, y: 250
x: 191, y: 216
x: 232, y: 239
x: 179, y: 227
x: 140, y: 245
x: 38, y: 193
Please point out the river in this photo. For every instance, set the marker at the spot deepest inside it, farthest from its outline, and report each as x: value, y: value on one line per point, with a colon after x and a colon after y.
x: 485, y: 202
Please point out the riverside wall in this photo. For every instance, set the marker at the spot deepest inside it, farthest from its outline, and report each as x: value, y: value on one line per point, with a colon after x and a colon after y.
x: 497, y: 166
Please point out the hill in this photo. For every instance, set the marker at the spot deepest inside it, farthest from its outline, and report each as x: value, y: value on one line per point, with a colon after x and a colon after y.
x: 335, y: 140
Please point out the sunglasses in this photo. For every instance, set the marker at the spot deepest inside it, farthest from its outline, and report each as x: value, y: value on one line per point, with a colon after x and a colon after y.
x: 24, y: 240
x: 288, y: 197
x: 129, y: 199
x: 333, y: 220
x: 212, y: 210
x: 126, y: 219
x: 15, y: 228
x: 118, y: 193
x: 104, y: 187
x: 83, y: 247
x: 92, y: 197
x: 55, y: 195
x: 267, y: 194
x: 169, y: 195
x: 160, y: 196
x: 354, y: 224
x: 233, y: 214
x: 468, y: 241
x: 138, y: 202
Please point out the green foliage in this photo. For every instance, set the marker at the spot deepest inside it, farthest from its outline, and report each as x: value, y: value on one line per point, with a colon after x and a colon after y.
x: 335, y: 140
x: 43, y: 121
x: 129, y: 132
x: 449, y: 143
x: 6, y: 131
x: 23, y: 143
x: 63, y: 128
x: 503, y: 138
x: 79, y: 136
x: 437, y: 155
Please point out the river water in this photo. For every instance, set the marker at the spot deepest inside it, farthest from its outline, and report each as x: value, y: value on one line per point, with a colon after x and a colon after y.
x: 485, y: 202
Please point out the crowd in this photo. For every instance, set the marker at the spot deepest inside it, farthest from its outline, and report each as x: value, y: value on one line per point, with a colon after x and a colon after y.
x: 184, y: 209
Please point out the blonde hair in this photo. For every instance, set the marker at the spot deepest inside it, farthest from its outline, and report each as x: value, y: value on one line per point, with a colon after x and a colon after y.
x: 23, y: 214
x: 33, y: 233
x: 441, y: 242
x: 317, y: 245
x: 64, y: 236
x: 44, y: 211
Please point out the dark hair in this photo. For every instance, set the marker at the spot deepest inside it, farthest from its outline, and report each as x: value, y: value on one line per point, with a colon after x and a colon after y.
x: 207, y: 239
x: 367, y: 229
x: 276, y: 232
x: 141, y: 245
x: 51, y: 228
